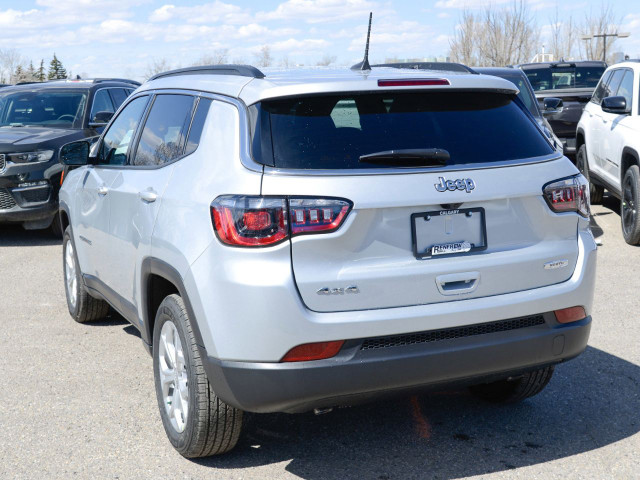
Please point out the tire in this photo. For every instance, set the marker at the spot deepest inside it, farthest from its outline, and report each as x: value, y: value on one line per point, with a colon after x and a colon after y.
x: 516, y: 390
x: 596, y: 191
x: 629, y: 205
x: 82, y: 306
x: 56, y: 227
x: 211, y: 427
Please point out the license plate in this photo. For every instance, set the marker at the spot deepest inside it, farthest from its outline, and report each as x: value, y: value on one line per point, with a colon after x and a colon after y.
x: 444, y: 233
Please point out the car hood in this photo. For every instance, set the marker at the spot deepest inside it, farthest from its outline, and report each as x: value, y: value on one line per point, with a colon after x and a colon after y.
x: 19, y: 138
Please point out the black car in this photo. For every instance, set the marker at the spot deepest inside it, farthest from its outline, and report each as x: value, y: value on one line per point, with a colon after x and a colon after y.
x: 526, y: 94
x: 36, y: 119
x: 563, y: 89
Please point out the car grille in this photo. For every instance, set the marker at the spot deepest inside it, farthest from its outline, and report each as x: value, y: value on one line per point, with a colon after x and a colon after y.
x: 6, y: 200
x: 35, y: 194
x: 450, y: 333
x: 3, y: 162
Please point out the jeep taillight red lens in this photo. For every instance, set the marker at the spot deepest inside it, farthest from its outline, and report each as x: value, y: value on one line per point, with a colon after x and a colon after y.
x: 568, y: 195
x: 245, y: 221
x: 253, y: 221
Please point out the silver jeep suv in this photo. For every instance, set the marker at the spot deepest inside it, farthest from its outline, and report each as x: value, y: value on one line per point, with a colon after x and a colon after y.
x: 311, y: 239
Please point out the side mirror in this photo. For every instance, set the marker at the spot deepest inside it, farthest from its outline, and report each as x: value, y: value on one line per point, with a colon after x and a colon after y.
x: 100, y: 119
x: 75, y: 153
x: 617, y: 105
x: 552, y: 105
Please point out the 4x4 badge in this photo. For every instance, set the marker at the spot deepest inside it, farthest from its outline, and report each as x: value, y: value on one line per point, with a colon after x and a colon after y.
x: 458, y: 184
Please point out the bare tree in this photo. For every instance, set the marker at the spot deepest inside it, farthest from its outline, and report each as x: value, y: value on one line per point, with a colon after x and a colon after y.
x: 326, y: 60
x: 285, y: 62
x: 264, y: 58
x: 218, y: 57
x: 157, y: 66
x: 495, y: 37
x: 10, y: 59
x: 603, y: 21
x: 563, y: 37
x: 463, y: 46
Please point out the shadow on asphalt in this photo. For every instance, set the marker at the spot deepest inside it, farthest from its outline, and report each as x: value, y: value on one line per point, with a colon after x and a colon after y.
x: 16, y: 236
x: 591, y: 402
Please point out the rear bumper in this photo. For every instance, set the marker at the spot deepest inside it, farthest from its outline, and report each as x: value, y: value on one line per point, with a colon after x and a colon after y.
x: 356, y: 375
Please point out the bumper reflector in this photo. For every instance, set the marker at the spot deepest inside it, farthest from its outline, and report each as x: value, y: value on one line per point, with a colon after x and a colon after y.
x: 313, y: 351
x: 571, y: 314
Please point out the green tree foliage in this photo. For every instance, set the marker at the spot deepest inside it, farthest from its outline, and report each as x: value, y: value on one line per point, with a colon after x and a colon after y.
x: 56, y: 69
x: 41, y: 76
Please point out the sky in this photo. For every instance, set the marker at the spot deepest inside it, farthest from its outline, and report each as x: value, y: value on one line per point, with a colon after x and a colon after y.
x: 123, y: 38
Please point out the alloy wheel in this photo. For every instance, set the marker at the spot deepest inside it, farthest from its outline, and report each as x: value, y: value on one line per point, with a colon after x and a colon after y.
x: 70, y: 274
x: 173, y: 377
x: 629, y: 208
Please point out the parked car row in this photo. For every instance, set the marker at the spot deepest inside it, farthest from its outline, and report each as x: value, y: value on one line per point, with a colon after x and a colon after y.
x: 36, y: 119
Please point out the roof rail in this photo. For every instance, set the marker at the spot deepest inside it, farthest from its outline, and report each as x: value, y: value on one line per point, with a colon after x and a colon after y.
x: 123, y: 80
x: 236, y: 70
x: 439, y: 66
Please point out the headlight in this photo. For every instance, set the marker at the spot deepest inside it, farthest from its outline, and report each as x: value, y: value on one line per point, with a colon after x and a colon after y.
x: 30, y: 157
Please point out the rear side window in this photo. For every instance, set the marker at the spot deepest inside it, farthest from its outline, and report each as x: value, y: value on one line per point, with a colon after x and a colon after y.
x: 197, y: 124
x: 333, y: 131
x: 163, y: 136
x: 599, y: 92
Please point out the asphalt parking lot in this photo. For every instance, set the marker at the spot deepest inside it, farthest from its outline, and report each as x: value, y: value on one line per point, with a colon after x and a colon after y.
x: 78, y: 400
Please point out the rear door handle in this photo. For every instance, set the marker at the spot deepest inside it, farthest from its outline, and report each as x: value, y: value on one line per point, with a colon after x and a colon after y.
x: 148, y: 196
x: 102, y: 190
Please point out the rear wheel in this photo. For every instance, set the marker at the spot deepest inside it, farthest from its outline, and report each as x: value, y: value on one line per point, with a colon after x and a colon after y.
x: 196, y: 421
x: 82, y: 306
x: 629, y: 215
x: 583, y: 165
x: 514, y: 390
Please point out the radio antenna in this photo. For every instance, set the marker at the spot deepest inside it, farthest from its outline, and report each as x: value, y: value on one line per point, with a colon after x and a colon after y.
x: 364, y: 64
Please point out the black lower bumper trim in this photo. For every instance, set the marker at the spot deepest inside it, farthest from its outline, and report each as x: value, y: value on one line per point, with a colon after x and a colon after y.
x: 355, y: 375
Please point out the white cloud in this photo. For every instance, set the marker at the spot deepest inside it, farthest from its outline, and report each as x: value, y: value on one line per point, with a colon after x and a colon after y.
x: 206, y: 13
x: 295, y: 46
x: 321, y: 11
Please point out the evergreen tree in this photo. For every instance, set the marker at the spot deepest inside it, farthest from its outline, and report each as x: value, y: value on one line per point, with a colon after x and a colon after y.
x: 56, y: 70
x: 40, y: 75
x: 31, y: 72
x: 19, y: 75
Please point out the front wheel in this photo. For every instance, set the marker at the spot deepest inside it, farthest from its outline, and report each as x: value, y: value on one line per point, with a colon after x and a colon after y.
x: 196, y: 421
x: 82, y: 306
x: 514, y: 390
x: 629, y: 215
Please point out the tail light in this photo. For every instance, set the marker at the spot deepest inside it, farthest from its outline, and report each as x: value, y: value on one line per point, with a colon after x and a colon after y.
x: 568, y: 195
x: 254, y: 221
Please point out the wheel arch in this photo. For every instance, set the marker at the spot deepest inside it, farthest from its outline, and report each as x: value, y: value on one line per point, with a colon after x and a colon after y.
x: 159, y: 279
x: 580, y: 139
x: 629, y: 157
x: 64, y: 216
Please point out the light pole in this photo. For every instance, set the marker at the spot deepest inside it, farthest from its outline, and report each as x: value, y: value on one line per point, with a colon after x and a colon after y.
x: 604, y: 37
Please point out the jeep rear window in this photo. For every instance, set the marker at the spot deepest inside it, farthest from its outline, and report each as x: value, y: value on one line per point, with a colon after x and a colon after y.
x: 333, y: 131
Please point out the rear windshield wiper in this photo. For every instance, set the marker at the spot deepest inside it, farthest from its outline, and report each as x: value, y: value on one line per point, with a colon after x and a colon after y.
x: 421, y: 157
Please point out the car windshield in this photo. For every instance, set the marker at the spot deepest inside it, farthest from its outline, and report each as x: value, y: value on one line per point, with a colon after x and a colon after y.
x: 51, y: 108
x: 557, y: 78
x: 334, y: 131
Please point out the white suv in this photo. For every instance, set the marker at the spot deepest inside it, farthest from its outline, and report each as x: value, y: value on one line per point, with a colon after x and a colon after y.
x: 305, y: 240
x: 608, y: 143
